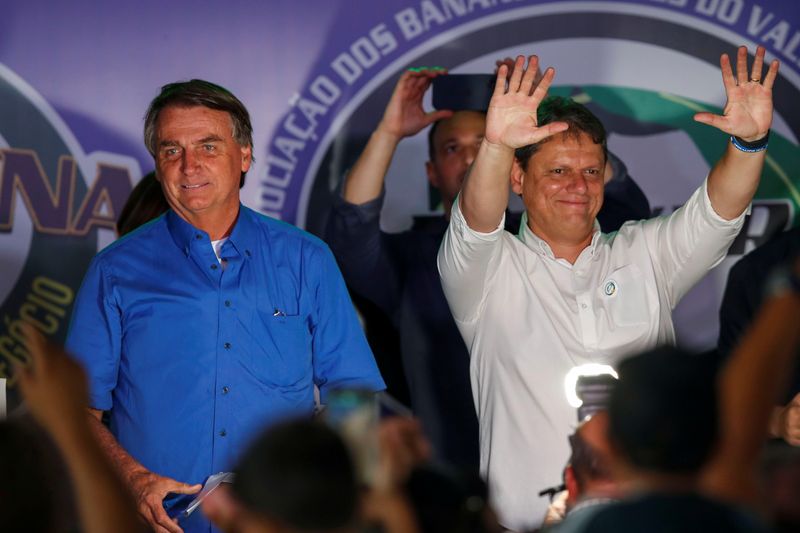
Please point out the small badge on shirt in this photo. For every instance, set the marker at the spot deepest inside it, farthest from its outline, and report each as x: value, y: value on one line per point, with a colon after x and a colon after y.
x: 611, y: 288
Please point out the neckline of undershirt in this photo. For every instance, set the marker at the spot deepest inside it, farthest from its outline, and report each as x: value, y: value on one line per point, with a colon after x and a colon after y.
x: 217, y: 245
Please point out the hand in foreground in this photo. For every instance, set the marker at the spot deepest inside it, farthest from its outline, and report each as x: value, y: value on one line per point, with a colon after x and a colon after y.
x: 224, y: 511
x: 748, y: 111
x: 511, y: 121
x: 54, y: 387
x: 149, y: 490
x: 404, y: 115
x: 402, y: 447
x: 786, y: 422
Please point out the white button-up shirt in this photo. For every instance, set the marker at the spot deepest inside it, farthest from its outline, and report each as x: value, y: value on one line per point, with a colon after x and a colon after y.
x: 528, y: 318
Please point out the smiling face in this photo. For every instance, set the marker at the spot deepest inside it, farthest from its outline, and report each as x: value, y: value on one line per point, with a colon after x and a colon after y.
x: 562, y: 189
x: 199, y: 165
x: 454, y: 146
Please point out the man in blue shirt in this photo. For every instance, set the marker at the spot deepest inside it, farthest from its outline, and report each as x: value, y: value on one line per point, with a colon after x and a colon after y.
x: 206, y: 323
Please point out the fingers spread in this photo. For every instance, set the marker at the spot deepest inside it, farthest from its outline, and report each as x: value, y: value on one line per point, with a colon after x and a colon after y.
x: 516, y: 75
x: 772, y: 73
x: 728, y: 79
x: 500, y: 81
x: 529, y: 75
x: 741, y: 65
x: 758, y: 64
x: 544, y: 84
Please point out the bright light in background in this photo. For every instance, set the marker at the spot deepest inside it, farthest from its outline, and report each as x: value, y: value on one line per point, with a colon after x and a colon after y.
x: 589, y: 369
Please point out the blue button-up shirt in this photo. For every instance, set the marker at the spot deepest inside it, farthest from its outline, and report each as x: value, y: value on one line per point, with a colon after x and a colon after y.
x: 193, y: 357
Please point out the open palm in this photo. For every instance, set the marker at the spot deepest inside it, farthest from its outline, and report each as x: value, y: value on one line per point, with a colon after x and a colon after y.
x: 748, y: 111
x: 511, y: 120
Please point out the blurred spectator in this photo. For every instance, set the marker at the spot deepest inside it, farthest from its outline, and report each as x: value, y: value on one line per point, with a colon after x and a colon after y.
x: 55, y: 391
x: 743, y: 298
x: 34, y: 489
x: 689, y: 449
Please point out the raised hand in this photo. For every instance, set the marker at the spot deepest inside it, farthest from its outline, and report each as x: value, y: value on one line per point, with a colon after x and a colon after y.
x: 511, y: 120
x: 748, y: 111
x: 404, y: 115
x: 54, y: 387
x: 509, y: 62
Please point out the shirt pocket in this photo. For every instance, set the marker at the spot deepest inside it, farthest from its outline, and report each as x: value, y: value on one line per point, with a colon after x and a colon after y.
x: 283, y: 354
x: 624, y: 297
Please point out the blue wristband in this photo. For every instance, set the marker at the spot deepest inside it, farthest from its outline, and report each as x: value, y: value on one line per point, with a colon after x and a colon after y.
x: 750, y: 146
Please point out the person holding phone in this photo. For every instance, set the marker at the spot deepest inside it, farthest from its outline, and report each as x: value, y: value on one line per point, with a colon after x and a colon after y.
x: 397, y: 272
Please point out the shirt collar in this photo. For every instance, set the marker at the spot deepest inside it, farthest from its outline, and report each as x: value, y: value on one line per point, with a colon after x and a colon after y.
x: 185, y: 235
x: 541, y: 247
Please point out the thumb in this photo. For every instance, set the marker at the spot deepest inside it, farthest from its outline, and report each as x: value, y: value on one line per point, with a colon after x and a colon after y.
x: 710, y: 119
x: 185, y: 488
x: 434, y: 116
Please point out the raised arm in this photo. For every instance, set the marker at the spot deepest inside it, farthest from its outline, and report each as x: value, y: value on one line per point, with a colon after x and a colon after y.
x: 511, y: 123
x: 747, y: 116
x: 748, y: 388
x: 404, y: 116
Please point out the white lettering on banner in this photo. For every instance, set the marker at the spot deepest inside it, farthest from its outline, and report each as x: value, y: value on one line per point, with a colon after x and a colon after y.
x: 431, y: 14
x: 301, y: 124
x: 364, y: 53
x: 766, y: 29
x: 363, y: 56
x: 727, y: 11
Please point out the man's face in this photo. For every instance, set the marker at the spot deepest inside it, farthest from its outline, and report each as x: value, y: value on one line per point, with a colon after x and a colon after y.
x: 455, y: 144
x: 562, y: 188
x: 199, y: 164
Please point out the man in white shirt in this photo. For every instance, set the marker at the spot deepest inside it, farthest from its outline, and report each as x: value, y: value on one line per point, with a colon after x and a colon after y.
x: 561, y: 293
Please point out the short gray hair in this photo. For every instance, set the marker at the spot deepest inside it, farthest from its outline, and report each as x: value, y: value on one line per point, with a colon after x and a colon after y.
x: 199, y: 93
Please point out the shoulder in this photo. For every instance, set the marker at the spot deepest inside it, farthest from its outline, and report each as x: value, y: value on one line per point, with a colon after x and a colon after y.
x: 124, y: 248
x: 284, y: 238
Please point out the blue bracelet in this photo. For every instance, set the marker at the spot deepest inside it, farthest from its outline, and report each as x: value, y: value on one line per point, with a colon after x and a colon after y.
x: 750, y: 146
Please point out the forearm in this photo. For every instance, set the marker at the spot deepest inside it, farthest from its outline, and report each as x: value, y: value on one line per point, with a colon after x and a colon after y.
x: 365, y: 181
x: 125, y: 465
x: 733, y: 181
x: 484, y: 196
x: 104, y: 503
x: 748, y: 386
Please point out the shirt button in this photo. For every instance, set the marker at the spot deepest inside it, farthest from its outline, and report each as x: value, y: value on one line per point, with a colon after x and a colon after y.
x: 214, y: 267
x: 225, y: 390
x: 227, y: 303
x: 583, y: 306
x: 227, y: 346
x: 247, y: 253
x: 223, y: 433
x: 198, y: 236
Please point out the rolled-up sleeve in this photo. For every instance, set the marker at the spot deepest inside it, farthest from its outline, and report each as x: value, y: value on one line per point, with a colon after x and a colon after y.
x: 463, y: 262
x: 688, y: 243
